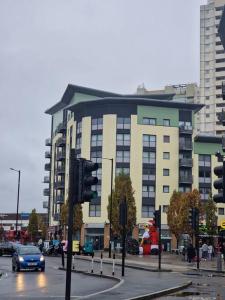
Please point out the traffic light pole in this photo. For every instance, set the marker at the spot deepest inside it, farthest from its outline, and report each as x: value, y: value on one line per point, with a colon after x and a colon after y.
x: 72, y: 179
x: 123, y: 222
x: 159, y: 242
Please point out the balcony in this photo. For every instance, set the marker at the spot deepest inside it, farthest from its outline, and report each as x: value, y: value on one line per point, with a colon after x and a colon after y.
x: 61, y: 128
x: 48, y: 167
x: 185, y: 146
x: 60, y: 170
x: 45, y: 204
x: 46, y: 179
x: 59, y: 199
x: 48, y: 142
x: 61, y: 142
x: 186, y: 129
x: 60, y: 185
x: 60, y: 155
x: 46, y: 192
x: 186, y: 162
x: 188, y: 179
x: 47, y: 154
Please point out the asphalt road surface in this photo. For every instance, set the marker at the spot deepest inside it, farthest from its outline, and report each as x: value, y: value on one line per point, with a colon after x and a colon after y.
x: 50, y: 284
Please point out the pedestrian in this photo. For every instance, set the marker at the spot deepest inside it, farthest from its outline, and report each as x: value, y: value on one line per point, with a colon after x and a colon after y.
x: 210, y: 251
x: 205, y: 251
x: 190, y: 253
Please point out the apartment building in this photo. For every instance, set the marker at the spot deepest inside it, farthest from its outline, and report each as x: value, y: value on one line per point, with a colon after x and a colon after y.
x: 212, y: 68
x: 149, y: 137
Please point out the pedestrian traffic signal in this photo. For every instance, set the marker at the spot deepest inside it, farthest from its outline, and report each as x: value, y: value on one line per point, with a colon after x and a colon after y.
x: 190, y: 217
x: 219, y: 184
x: 86, y: 180
x: 193, y: 218
x: 157, y: 218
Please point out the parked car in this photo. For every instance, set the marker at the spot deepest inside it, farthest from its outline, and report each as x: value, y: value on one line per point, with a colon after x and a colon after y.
x: 28, y: 257
x: 7, y: 248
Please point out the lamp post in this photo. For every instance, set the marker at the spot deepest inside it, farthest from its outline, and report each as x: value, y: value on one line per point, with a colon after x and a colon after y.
x: 18, y: 199
x: 110, y: 211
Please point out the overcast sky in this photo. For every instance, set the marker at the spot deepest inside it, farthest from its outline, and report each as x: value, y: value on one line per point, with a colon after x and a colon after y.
x: 113, y: 45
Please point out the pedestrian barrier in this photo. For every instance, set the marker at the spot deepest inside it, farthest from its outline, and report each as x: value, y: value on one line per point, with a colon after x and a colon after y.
x: 92, y: 263
x: 101, y: 269
x: 113, y: 265
x: 73, y: 262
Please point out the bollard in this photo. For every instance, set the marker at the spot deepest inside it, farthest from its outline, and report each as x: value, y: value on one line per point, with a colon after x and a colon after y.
x: 219, y: 262
x: 73, y: 263
x: 92, y: 263
x: 101, y: 264
x: 113, y: 272
x: 63, y: 261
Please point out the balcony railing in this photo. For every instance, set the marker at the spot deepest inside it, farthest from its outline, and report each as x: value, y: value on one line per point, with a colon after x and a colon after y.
x: 186, y: 179
x: 60, y: 155
x: 46, y: 179
x: 186, y: 162
x: 48, y: 142
x: 61, y: 128
x: 60, y: 170
x: 47, y: 154
x: 48, y: 167
x: 61, y: 142
x: 60, y: 185
x: 186, y: 129
x: 59, y: 199
x: 185, y: 146
x: 45, y: 204
x: 46, y: 192
x: 204, y: 180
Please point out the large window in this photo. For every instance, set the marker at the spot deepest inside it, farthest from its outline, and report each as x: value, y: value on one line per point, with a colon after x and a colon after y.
x: 148, y: 191
x: 149, y: 140
x: 94, y: 210
x: 97, y: 124
x: 123, y: 156
x: 149, y: 157
x: 204, y: 176
x: 78, y: 143
x: 220, y: 211
x: 97, y: 188
x: 148, y: 174
x: 96, y: 156
x: 204, y: 160
x: 123, y: 123
x: 147, y: 211
x: 98, y: 174
x: 149, y: 121
x: 125, y: 171
x: 96, y: 140
x: 79, y: 127
x: 204, y: 193
x: 123, y: 139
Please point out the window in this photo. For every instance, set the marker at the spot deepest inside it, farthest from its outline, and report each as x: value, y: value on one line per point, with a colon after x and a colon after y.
x: 166, y: 189
x: 220, y: 211
x: 148, y: 191
x: 149, y: 140
x: 165, y: 208
x: 204, y: 193
x: 207, y: 115
x: 123, y: 139
x: 166, y: 139
x: 204, y: 160
x: 166, y: 155
x: 207, y: 97
x: 123, y: 123
x: 96, y: 156
x: 96, y: 140
x: 97, y: 173
x: 125, y: 171
x: 166, y: 172
x: 149, y: 121
x: 166, y: 122
x: 96, y: 124
x: 79, y: 127
x: 123, y: 156
x: 97, y: 188
x: 148, y: 157
x: 148, y: 174
x: 147, y: 211
x: 94, y: 210
x: 78, y: 143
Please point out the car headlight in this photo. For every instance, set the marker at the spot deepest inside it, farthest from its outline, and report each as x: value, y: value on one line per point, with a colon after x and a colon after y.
x: 21, y: 259
x: 42, y: 258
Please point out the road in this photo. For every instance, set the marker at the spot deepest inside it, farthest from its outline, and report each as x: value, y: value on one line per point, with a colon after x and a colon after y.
x: 51, y: 284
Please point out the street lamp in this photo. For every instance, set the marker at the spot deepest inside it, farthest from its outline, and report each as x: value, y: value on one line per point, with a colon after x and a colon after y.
x: 110, y: 211
x: 18, y: 198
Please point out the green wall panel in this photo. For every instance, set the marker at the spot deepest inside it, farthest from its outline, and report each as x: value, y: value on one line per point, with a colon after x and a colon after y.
x: 159, y: 113
x: 206, y: 148
x: 78, y: 97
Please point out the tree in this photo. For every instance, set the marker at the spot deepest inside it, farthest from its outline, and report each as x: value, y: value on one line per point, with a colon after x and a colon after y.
x: 77, y: 216
x: 210, y: 216
x: 33, y: 225
x: 123, y: 187
x: 42, y: 227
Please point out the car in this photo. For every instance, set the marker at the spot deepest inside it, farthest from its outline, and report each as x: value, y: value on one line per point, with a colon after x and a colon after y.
x: 7, y: 248
x: 28, y: 257
x: 88, y: 248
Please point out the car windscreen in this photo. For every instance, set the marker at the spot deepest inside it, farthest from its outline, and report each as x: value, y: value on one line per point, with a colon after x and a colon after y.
x: 28, y: 250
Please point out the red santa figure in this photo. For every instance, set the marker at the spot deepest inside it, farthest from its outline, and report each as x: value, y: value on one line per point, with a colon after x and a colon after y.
x: 150, y: 238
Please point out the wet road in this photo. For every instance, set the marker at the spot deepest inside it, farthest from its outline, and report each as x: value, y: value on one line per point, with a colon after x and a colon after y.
x: 50, y: 284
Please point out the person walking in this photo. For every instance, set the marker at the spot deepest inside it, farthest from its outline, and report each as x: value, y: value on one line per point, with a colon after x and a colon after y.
x: 205, y: 251
x: 210, y: 251
x: 190, y: 253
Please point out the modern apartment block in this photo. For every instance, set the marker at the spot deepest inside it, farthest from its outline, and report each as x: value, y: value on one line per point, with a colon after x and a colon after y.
x: 149, y: 137
x: 212, y: 68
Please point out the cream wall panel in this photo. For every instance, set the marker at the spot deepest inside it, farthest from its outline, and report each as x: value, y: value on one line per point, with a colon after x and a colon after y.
x: 195, y: 172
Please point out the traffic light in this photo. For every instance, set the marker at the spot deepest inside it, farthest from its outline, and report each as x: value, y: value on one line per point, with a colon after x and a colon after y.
x: 190, y: 217
x: 157, y: 218
x: 86, y: 180
x: 219, y: 184
x: 193, y: 218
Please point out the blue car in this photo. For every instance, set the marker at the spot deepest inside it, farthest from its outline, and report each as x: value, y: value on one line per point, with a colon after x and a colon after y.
x: 28, y: 257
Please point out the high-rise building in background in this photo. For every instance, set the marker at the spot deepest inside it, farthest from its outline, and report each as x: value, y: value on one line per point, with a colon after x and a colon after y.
x: 212, y: 68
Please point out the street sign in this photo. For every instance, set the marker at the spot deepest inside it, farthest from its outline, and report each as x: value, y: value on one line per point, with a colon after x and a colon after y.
x: 222, y: 224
